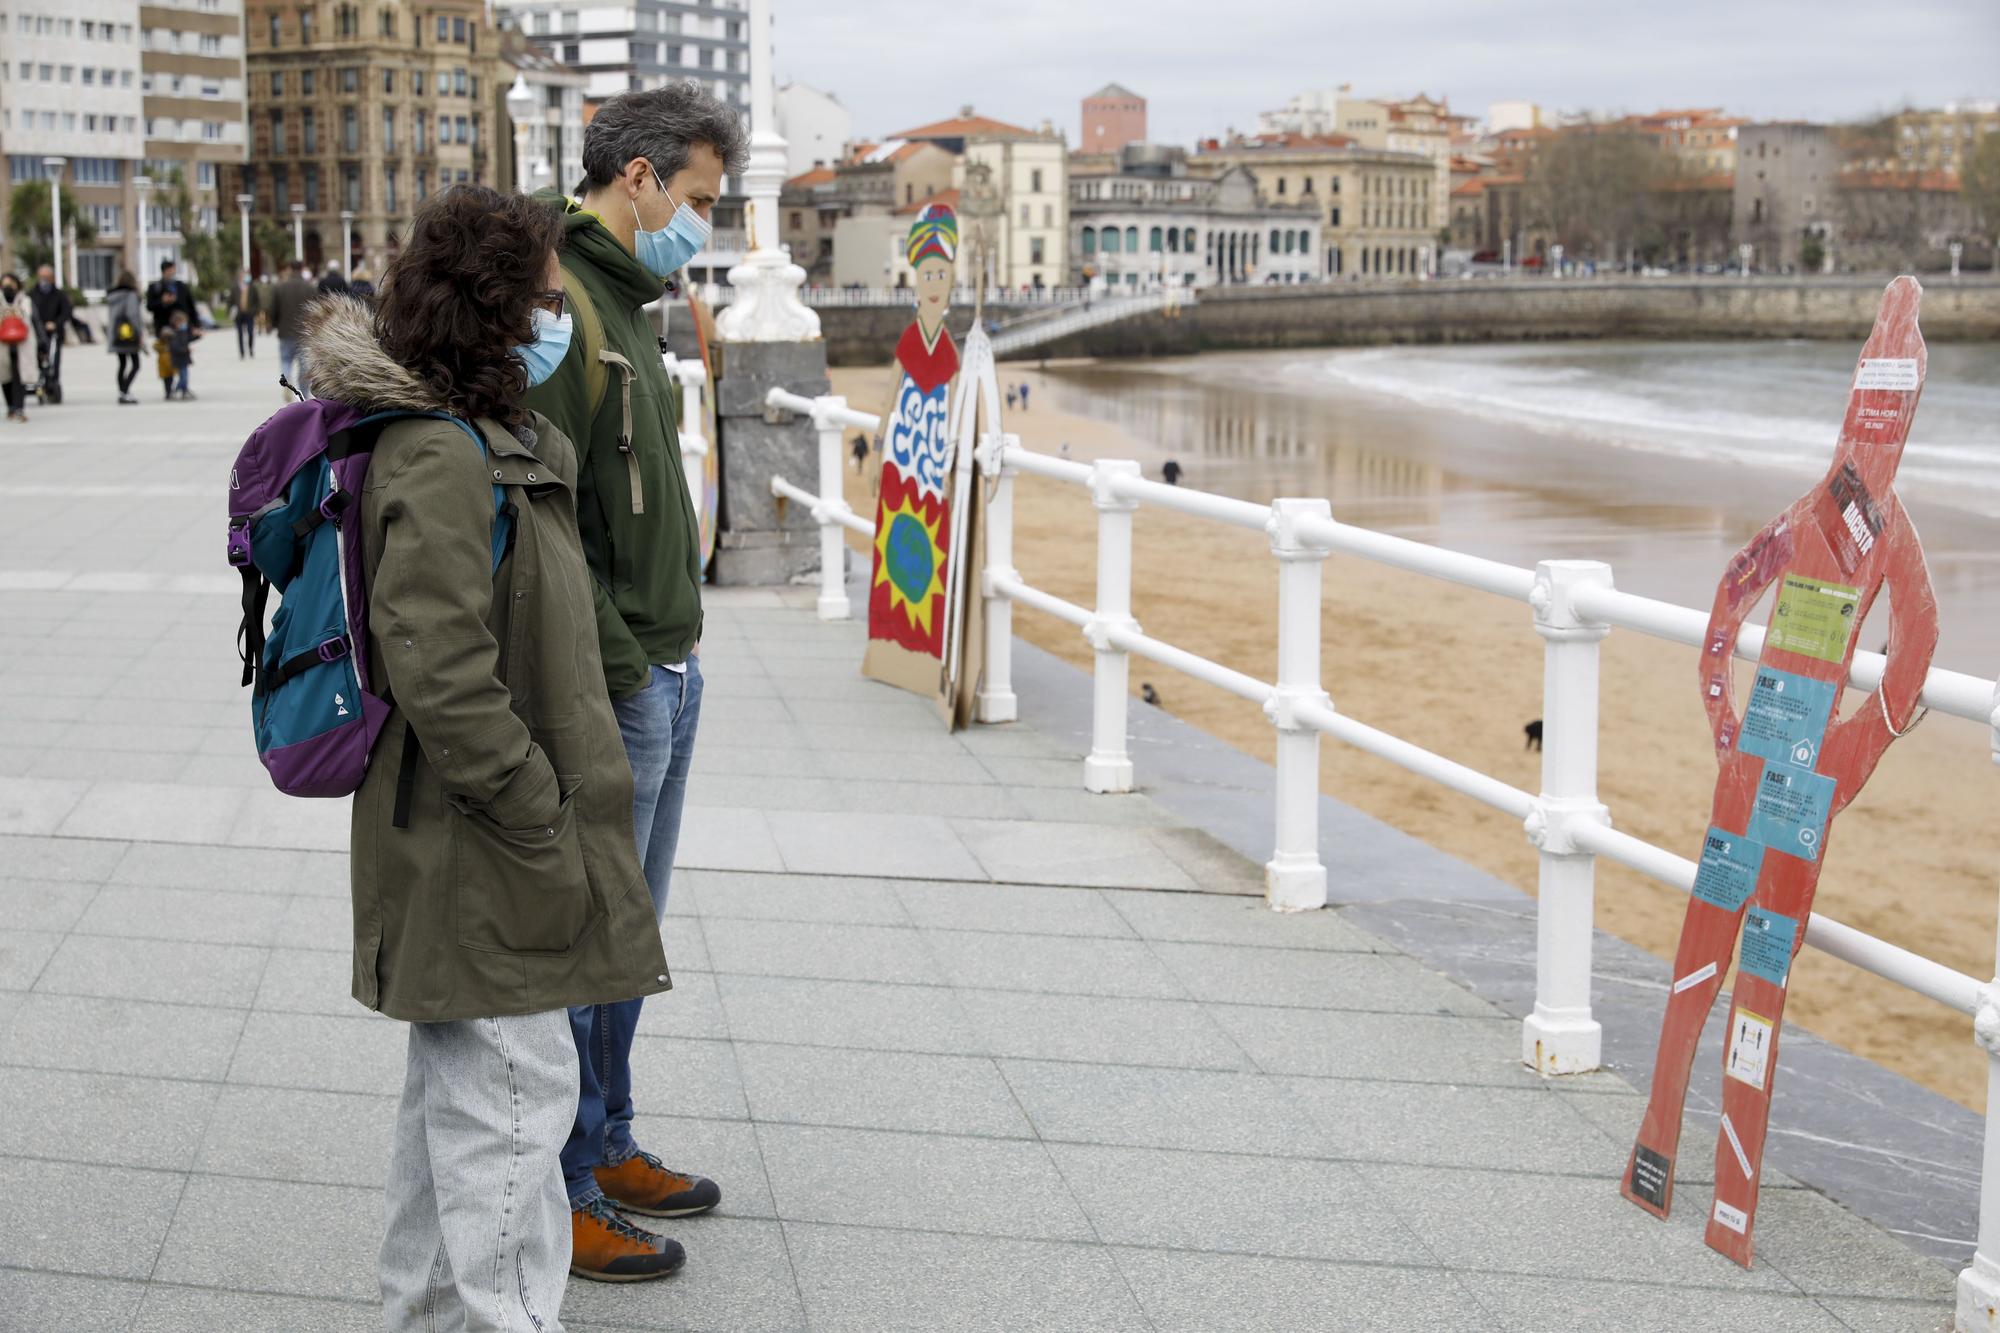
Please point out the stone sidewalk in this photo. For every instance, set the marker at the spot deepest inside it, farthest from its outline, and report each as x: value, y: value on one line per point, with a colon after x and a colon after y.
x: 965, y: 1047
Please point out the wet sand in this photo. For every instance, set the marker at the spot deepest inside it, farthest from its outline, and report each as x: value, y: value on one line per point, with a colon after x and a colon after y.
x: 1915, y: 860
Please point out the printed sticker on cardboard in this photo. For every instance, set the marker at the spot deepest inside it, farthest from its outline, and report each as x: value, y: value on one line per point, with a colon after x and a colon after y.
x: 1749, y: 1049
x: 1814, y: 618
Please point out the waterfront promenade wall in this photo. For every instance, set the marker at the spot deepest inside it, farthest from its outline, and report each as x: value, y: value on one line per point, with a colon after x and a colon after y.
x: 1526, y: 309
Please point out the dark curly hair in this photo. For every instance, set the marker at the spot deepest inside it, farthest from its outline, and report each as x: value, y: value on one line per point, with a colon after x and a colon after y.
x: 455, y: 301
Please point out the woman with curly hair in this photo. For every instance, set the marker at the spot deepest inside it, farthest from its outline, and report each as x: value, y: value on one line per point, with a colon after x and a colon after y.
x: 494, y: 877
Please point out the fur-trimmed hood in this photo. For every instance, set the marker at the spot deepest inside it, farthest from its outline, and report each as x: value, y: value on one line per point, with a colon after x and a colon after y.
x: 345, y: 361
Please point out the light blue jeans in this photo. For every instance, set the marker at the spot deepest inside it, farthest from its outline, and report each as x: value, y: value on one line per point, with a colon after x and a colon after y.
x: 658, y: 725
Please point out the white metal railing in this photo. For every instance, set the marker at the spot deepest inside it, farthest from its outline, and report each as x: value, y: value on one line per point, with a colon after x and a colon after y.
x: 1573, y: 606
x: 961, y: 297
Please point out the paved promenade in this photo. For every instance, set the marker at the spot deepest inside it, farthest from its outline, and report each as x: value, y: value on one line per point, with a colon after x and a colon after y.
x: 965, y: 1047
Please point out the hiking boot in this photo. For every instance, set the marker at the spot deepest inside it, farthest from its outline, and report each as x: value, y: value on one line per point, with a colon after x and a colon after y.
x: 639, y: 1184
x: 604, y: 1247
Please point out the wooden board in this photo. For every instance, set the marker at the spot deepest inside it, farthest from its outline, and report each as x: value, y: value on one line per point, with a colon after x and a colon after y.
x: 1790, y: 763
x: 711, y: 461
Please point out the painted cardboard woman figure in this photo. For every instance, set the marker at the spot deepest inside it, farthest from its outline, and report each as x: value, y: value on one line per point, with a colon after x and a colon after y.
x: 906, y: 621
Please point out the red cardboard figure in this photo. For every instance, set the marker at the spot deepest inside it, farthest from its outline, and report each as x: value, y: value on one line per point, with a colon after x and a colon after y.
x: 1790, y: 763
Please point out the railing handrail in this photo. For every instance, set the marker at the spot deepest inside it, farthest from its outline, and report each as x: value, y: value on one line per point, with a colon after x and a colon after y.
x: 1574, y: 605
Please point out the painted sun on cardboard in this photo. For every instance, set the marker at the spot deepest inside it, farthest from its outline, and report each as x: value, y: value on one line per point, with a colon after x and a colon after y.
x: 1790, y: 763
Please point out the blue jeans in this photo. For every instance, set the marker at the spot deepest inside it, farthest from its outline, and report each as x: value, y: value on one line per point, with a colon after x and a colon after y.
x: 658, y: 724
x: 288, y: 354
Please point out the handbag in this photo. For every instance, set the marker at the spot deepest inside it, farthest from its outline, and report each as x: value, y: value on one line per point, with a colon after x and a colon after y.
x: 13, y: 329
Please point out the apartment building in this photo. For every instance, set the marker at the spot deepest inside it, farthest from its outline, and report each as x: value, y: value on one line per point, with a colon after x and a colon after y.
x: 1148, y: 221
x: 69, y: 89
x: 642, y: 43
x: 367, y: 107
x: 192, y: 83
x: 1377, y: 207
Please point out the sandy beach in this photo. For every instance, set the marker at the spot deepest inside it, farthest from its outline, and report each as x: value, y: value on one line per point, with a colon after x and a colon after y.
x: 1915, y: 860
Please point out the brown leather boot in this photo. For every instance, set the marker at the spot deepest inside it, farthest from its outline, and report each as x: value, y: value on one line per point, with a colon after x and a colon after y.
x: 639, y: 1184
x: 604, y: 1247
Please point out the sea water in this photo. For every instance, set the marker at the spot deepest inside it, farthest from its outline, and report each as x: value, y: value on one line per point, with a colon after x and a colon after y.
x: 1659, y: 457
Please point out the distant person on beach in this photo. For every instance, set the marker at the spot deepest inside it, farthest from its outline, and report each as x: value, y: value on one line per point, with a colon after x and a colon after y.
x: 125, y: 331
x: 1024, y: 397
x: 1171, y: 471
x: 1011, y: 397
x: 860, y: 453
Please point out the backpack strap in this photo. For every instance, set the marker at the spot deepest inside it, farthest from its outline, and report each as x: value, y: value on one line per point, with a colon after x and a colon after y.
x: 595, y: 377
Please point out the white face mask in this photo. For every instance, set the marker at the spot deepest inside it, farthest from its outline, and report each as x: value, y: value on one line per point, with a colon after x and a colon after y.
x: 665, y: 251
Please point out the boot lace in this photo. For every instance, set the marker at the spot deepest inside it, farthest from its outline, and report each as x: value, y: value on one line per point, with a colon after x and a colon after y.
x: 614, y: 1221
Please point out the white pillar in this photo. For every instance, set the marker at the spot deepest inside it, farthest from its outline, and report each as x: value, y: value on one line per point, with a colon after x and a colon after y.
x: 1294, y: 879
x: 346, y: 243
x: 766, y: 307
x: 298, y: 231
x: 833, y: 603
x: 243, y: 203
x: 55, y: 167
x: 1979, y: 1284
x: 143, y: 185
x: 996, y: 701
x: 1560, y: 1036
x: 1108, y: 767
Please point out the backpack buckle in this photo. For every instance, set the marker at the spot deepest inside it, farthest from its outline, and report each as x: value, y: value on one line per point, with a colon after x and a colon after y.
x: 239, y: 545
x: 333, y: 650
x: 334, y: 505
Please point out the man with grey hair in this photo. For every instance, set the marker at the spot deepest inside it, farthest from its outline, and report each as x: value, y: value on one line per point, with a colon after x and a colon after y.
x: 654, y: 163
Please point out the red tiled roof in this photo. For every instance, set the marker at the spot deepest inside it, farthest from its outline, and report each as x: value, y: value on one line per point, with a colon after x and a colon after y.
x: 1721, y: 180
x: 806, y: 180
x: 1470, y: 187
x: 961, y: 127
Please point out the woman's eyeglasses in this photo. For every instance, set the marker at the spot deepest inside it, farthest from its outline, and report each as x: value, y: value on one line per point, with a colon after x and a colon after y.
x: 553, y: 302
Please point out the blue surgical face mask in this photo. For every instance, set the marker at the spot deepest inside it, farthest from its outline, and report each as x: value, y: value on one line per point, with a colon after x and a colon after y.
x: 665, y: 251
x: 550, y: 346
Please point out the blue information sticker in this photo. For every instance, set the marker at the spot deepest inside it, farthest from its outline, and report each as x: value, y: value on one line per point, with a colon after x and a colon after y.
x: 1728, y: 872
x: 1791, y: 810
x: 1787, y: 716
x: 1767, y: 945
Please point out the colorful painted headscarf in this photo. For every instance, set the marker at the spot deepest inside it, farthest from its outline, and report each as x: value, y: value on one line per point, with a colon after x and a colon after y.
x: 935, y: 232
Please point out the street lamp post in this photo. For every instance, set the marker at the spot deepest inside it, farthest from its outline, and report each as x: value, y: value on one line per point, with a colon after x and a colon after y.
x: 243, y: 203
x: 55, y: 167
x: 347, y: 243
x: 1957, y: 249
x: 298, y: 231
x: 143, y: 186
x: 1743, y: 253
x: 767, y: 306
x: 1507, y: 256
x: 1555, y: 261
x: 521, y: 108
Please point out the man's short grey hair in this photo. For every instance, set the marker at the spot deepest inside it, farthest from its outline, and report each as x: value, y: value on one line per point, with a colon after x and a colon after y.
x: 662, y: 125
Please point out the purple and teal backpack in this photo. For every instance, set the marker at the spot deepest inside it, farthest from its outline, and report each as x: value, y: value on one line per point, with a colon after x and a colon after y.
x: 293, y: 527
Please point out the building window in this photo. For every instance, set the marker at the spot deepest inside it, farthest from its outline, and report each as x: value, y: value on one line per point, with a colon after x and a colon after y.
x: 458, y: 31
x: 351, y: 189
x: 1035, y: 181
x: 312, y: 188
x: 350, y: 130
x: 308, y: 81
x: 1187, y: 241
x: 305, y: 27
x: 350, y: 80
x: 443, y: 83
x: 1090, y: 240
x: 423, y: 125
x: 1035, y: 250
x: 1111, y: 246
x: 388, y: 129
x: 423, y: 185
x: 278, y: 132
x: 1155, y: 241
x: 1132, y: 240
x: 389, y: 82
x: 389, y: 189
x: 275, y: 29
x: 308, y: 131
x: 282, y: 193
x: 444, y: 28
x: 572, y: 53
x: 458, y: 82
x: 1281, y: 185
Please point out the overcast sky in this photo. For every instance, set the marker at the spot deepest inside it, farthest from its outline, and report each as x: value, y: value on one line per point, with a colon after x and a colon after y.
x: 1207, y: 65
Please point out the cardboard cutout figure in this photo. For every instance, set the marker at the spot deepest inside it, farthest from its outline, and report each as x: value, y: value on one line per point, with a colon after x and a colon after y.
x: 913, y: 522
x: 711, y: 461
x: 1790, y: 764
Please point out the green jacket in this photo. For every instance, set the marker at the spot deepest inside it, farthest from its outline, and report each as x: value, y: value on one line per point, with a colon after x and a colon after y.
x: 639, y: 529
x: 515, y: 887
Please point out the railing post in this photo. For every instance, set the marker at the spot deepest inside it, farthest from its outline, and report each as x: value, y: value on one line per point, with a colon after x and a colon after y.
x: 693, y: 379
x: 1108, y: 767
x: 996, y: 702
x: 1979, y: 1283
x: 1294, y: 879
x: 833, y: 604
x: 1560, y: 1036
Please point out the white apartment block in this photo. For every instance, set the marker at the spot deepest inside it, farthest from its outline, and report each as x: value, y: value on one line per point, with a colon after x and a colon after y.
x: 643, y: 44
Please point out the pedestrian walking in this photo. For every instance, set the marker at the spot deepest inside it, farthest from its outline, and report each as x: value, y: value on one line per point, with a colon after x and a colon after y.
x: 168, y: 295
x: 1024, y: 397
x: 125, y: 331
x: 860, y: 454
x: 1170, y: 471
x: 1012, y: 396
x: 180, y: 339
x: 654, y: 163
x: 288, y: 311
x: 17, y: 321
x: 360, y: 288
x: 493, y: 873
x: 243, y: 306
x: 52, y: 311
